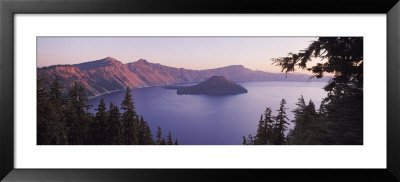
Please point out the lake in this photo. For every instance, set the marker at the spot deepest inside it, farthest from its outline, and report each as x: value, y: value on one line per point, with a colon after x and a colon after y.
x: 214, y: 120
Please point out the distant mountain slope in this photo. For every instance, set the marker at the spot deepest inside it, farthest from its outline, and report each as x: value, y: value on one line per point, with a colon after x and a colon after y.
x: 216, y: 85
x: 99, y: 77
x: 109, y: 75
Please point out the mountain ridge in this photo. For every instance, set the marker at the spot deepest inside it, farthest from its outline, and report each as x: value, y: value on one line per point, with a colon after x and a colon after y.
x: 109, y: 75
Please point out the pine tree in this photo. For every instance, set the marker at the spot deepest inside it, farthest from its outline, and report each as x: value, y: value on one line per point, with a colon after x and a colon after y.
x: 244, y: 141
x: 56, y: 124
x: 301, y: 106
x: 324, y: 121
x: 261, y: 135
x: 162, y: 142
x: 148, y: 136
x: 99, y: 126
x: 265, y: 133
x: 130, y: 121
x: 43, y: 132
x: 145, y: 136
x: 344, y: 120
x: 294, y: 135
x: 176, y: 141
x: 289, y: 138
x: 77, y: 117
x: 250, y: 140
x: 56, y: 97
x: 281, y: 124
x: 169, y: 138
x: 308, y: 129
x: 269, y: 126
x: 114, y: 126
x: 159, y: 136
x: 317, y: 131
x: 141, y: 131
x: 322, y: 109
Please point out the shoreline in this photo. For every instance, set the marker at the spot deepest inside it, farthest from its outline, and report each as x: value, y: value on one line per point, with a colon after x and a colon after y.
x: 174, y: 84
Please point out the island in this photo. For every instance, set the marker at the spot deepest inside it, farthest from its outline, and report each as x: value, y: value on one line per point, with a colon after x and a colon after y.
x: 215, y: 85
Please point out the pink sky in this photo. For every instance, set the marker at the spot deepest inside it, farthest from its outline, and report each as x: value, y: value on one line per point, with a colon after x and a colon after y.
x: 182, y: 52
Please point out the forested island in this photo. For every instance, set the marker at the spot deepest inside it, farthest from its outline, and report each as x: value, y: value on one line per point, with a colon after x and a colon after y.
x: 215, y: 85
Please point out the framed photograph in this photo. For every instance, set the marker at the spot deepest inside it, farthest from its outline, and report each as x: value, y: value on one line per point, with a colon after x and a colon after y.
x: 106, y: 91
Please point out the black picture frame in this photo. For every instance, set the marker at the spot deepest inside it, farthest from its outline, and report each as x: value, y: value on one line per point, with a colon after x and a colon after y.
x: 9, y: 8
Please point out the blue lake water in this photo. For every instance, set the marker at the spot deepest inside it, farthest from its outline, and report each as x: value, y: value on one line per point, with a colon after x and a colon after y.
x: 214, y: 120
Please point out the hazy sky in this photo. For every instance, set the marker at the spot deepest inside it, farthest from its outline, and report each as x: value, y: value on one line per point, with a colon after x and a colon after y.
x: 182, y: 52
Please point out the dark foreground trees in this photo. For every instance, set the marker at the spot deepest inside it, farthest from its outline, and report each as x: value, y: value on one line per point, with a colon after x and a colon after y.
x: 271, y: 129
x: 339, y: 120
x: 343, y: 106
x: 64, y: 119
x: 309, y: 127
x: 50, y: 115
